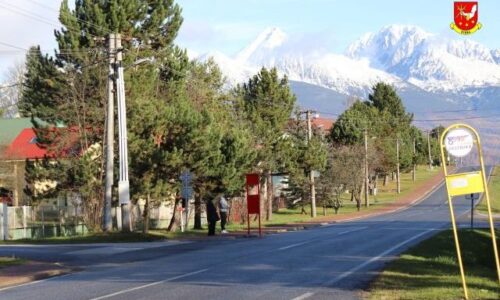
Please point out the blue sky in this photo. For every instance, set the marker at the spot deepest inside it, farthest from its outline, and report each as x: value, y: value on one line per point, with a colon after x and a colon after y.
x: 229, y: 25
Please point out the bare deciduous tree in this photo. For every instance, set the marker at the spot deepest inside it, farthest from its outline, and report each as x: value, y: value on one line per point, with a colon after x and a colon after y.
x: 10, y: 90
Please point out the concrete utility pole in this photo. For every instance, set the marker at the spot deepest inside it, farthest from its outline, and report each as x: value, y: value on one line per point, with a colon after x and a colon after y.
x: 429, y: 148
x: 110, y: 124
x: 414, y: 175
x: 398, y: 177
x: 311, y: 174
x: 367, y: 179
x: 123, y: 183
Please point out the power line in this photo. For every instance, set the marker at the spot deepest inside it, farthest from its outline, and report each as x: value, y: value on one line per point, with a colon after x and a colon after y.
x: 35, y: 17
x: 427, y: 120
x: 13, y: 46
x: 79, y: 19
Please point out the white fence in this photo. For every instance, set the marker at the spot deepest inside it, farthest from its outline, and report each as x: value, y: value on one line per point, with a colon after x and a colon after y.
x: 27, y: 222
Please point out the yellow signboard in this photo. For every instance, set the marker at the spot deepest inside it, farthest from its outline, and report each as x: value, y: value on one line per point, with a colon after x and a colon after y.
x: 465, y: 183
x: 459, y: 140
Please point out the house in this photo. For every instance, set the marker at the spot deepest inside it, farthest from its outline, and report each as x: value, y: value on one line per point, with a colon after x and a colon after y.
x: 323, y: 125
x: 11, y: 171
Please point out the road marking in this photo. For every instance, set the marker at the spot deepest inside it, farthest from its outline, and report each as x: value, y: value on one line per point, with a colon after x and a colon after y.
x: 304, y: 296
x: 352, y: 230
x: 294, y: 245
x: 33, y: 282
x: 373, y: 259
x: 148, y: 285
x: 310, y: 241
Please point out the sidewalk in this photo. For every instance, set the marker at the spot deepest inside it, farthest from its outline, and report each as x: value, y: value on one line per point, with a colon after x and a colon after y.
x: 31, y: 271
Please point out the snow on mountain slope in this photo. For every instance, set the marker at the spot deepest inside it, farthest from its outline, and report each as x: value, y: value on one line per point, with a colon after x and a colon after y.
x: 272, y: 48
x: 428, y: 61
x: 405, y: 56
x: 261, y: 47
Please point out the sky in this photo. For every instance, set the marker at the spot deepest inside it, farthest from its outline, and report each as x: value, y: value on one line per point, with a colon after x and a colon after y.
x: 229, y: 25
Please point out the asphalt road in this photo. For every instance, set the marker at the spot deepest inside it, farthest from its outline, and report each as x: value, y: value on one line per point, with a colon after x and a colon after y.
x: 331, y: 262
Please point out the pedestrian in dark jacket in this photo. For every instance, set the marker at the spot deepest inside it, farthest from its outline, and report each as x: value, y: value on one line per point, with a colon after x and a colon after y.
x: 212, y: 216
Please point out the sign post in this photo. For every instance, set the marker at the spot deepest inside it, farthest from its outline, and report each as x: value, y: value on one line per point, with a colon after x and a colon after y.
x: 186, y: 194
x: 253, y: 198
x: 472, y: 197
x: 459, y: 140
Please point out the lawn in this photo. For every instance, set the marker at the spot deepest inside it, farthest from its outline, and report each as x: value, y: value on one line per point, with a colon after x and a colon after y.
x: 430, y: 271
x: 386, y: 195
x: 494, y: 189
x: 10, y: 261
x: 113, y: 237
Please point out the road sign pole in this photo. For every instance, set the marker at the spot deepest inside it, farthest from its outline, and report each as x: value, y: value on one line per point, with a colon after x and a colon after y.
x: 459, y: 139
x: 260, y: 228
x: 472, y: 211
x: 454, y: 225
x: 490, y: 215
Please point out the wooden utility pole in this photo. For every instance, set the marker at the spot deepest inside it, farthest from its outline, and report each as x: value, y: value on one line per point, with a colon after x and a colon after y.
x: 311, y: 173
x: 110, y: 125
x: 367, y: 179
x: 398, y: 177
x: 429, y: 148
x: 414, y: 175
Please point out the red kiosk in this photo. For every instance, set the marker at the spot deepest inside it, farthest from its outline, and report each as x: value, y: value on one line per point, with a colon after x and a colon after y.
x: 253, y: 198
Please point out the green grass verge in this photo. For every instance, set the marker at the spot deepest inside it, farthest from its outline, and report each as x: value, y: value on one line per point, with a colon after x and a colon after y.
x: 114, y: 237
x: 430, y: 270
x: 494, y: 190
x: 386, y: 195
x: 10, y: 261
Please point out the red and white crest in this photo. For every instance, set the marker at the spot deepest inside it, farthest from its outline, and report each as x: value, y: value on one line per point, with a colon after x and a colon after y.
x: 466, y: 15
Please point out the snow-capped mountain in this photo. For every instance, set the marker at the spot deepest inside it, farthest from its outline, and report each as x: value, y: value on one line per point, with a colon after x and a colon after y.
x: 437, y: 77
x: 411, y: 59
x: 431, y: 62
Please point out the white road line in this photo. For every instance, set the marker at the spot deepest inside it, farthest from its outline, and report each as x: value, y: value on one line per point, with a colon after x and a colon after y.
x: 304, y: 296
x: 373, y: 259
x: 294, y: 245
x: 34, y: 282
x: 149, y: 284
x: 310, y: 241
x: 352, y: 230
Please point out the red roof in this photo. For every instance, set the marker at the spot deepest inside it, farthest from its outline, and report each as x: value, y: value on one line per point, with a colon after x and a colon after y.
x: 323, y: 123
x: 25, y: 146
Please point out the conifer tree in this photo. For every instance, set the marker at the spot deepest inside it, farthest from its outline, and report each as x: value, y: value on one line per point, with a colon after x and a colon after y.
x: 268, y: 103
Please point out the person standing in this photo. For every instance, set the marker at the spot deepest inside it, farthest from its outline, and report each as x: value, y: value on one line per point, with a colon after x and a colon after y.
x: 223, y: 208
x: 212, y: 216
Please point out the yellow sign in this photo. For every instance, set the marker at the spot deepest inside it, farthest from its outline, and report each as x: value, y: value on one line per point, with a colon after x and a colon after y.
x: 465, y: 183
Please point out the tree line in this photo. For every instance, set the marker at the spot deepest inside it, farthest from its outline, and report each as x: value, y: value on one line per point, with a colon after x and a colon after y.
x: 181, y: 116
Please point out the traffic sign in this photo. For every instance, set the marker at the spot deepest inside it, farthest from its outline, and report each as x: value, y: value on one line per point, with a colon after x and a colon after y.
x: 459, y: 142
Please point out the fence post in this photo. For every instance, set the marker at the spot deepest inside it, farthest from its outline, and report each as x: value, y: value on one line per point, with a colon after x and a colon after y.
x: 59, y: 211
x: 25, y: 208
x: 4, y: 217
x: 43, y: 223
x: 118, y: 216
x: 76, y: 219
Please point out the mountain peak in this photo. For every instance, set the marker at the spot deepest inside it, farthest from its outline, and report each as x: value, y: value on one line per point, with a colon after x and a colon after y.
x: 268, y: 39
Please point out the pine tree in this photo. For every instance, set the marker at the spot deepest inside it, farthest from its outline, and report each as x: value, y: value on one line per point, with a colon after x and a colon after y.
x: 70, y: 90
x: 268, y: 103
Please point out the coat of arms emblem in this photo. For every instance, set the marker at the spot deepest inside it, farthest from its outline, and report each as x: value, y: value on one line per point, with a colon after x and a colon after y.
x: 465, y: 15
